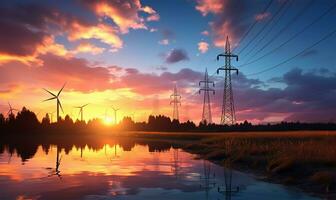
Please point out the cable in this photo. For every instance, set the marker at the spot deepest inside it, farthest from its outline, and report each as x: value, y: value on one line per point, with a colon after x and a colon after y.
x: 299, y: 14
x: 269, y: 30
x: 293, y: 37
x: 252, y: 26
x: 298, y: 54
x: 263, y: 28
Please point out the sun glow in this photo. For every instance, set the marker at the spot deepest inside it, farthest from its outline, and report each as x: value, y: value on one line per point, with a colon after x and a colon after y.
x: 107, y: 121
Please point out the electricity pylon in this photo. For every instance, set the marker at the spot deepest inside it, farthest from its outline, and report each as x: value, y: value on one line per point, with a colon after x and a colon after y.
x: 206, y: 115
x: 228, y: 110
x: 175, y: 99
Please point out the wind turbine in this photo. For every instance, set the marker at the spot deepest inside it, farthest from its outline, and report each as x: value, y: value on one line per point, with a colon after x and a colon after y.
x: 11, y: 109
x: 51, y: 116
x: 115, y: 114
x: 58, y: 104
x: 81, y: 110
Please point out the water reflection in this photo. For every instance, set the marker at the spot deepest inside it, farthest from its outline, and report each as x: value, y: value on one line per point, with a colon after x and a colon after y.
x: 55, y: 171
x: 121, y: 168
x: 228, y: 190
x: 208, y: 181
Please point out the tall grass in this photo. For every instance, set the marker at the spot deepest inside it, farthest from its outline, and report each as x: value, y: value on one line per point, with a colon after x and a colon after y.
x: 300, y: 157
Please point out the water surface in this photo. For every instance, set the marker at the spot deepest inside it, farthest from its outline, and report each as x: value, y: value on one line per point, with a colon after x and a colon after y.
x: 119, y: 170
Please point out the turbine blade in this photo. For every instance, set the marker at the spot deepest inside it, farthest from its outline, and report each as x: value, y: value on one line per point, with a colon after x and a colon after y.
x: 59, y: 102
x: 50, y: 99
x: 49, y: 92
x: 61, y: 90
x: 10, y: 106
x: 85, y: 105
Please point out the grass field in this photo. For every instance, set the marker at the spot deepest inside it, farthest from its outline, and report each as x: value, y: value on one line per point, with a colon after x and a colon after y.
x: 303, y: 158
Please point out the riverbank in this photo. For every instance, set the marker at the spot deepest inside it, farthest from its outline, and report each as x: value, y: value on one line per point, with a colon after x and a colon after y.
x: 304, y: 159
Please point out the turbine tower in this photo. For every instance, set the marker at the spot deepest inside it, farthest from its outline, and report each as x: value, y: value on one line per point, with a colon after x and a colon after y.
x: 58, y: 102
x: 81, y: 108
x: 115, y: 114
x: 175, y: 99
x: 228, y: 110
x: 51, y: 116
x: 206, y: 115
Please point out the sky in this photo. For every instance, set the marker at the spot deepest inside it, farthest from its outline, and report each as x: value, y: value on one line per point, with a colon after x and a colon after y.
x: 130, y: 54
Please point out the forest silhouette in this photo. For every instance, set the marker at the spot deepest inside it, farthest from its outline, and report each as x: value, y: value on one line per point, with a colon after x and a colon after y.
x: 26, y: 122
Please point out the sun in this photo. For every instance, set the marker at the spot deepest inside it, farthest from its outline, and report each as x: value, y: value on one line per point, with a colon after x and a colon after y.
x: 107, y: 121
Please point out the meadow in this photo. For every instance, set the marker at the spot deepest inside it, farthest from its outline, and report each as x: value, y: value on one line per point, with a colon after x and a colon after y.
x: 306, y: 159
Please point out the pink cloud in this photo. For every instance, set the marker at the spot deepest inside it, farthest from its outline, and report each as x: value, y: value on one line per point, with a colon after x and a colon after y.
x: 206, y: 33
x: 154, y: 17
x: 262, y: 16
x: 55, y: 71
x: 203, y: 47
x: 210, y: 6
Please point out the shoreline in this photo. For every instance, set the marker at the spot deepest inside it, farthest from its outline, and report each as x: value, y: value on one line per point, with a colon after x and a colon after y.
x: 298, y: 165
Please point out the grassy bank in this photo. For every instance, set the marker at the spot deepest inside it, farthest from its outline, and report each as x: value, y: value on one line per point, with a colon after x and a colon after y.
x: 304, y: 159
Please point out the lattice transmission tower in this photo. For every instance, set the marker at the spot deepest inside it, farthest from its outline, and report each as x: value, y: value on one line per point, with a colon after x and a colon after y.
x: 206, y: 115
x: 175, y: 99
x: 228, y: 110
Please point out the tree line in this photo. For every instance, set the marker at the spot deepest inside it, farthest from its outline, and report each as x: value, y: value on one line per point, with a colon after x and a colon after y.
x: 26, y: 120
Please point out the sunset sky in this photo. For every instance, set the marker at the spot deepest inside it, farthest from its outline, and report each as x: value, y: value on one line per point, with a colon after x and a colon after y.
x: 130, y: 54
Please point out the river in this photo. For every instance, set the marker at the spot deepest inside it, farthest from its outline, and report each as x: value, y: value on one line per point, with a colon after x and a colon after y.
x: 115, y: 170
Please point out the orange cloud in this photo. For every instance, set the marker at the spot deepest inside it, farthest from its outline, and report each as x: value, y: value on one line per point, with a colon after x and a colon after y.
x: 203, y: 47
x: 124, y: 14
x: 47, y: 45
x: 9, y: 90
x: 86, y: 47
x: 102, y: 32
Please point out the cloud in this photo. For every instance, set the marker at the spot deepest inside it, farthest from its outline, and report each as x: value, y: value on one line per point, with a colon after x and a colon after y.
x: 206, y: 33
x: 307, y: 96
x: 203, y: 47
x: 210, y: 6
x: 9, y: 90
x: 167, y: 36
x: 164, y: 42
x: 29, y: 29
x: 228, y: 19
x: 154, y: 17
x: 86, y: 47
x: 176, y: 55
x: 154, y: 84
x: 125, y: 14
x: 262, y: 16
x: 56, y: 70
x: 309, y: 53
x: 102, y: 32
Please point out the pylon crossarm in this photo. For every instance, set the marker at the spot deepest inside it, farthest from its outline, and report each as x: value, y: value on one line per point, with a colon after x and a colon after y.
x: 221, y: 68
x: 220, y: 55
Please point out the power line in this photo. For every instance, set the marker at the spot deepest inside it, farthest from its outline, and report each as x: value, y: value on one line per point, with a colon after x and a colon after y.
x: 293, y: 37
x: 296, y: 55
x: 263, y: 28
x: 269, y: 30
x: 296, y: 17
x: 252, y: 26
